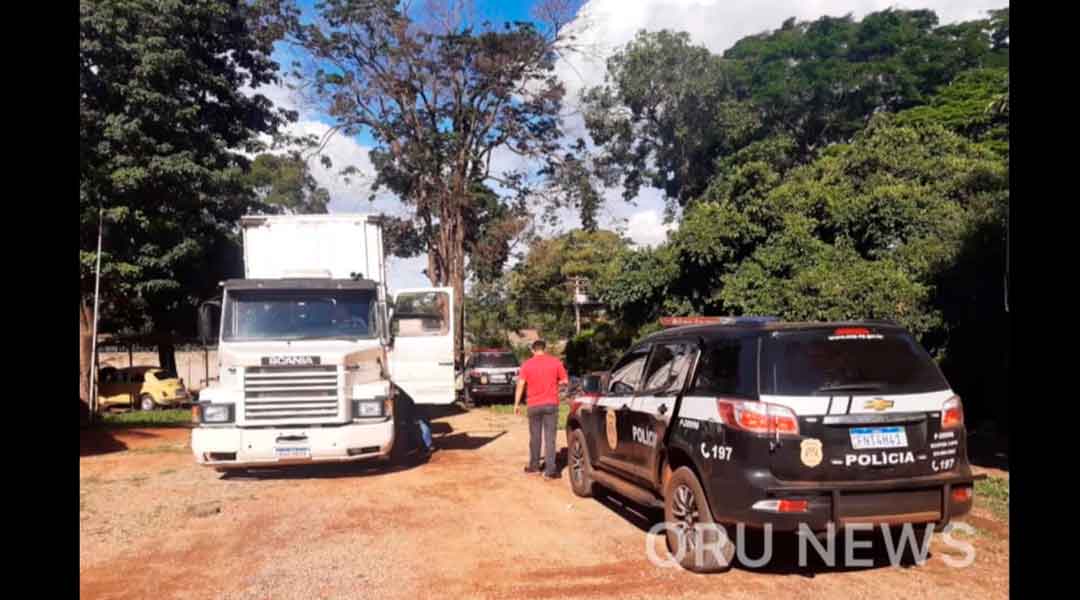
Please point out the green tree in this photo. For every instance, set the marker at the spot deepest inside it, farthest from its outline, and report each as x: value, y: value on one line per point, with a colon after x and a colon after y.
x: 969, y: 105
x: 489, y: 315
x: 541, y: 286
x: 866, y: 228
x: 163, y: 122
x: 285, y: 182
x: 666, y: 110
x: 669, y: 113
x: 860, y: 232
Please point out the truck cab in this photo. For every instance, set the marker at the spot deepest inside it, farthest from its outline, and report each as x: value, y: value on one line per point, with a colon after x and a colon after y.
x: 316, y: 359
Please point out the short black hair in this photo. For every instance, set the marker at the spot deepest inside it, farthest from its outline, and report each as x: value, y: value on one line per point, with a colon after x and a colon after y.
x: 538, y: 345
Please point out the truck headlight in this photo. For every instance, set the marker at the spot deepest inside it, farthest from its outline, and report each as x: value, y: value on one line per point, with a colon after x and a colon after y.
x: 217, y: 413
x: 369, y: 407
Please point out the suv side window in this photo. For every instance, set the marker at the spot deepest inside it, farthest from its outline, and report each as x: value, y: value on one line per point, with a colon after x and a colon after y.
x: 626, y: 375
x: 726, y: 368
x: 668, y: 368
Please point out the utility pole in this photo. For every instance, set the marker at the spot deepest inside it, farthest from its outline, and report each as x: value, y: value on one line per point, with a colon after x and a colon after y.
x: 93, y: 346
x: 577, y: 305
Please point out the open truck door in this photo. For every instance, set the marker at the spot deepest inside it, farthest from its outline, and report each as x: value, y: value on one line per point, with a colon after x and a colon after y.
x: 422, y: 355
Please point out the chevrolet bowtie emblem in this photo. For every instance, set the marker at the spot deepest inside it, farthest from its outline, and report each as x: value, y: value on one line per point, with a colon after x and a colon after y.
x: 878, y: 404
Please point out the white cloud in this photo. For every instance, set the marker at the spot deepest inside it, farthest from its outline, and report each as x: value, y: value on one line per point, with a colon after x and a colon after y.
x: 646, y: 228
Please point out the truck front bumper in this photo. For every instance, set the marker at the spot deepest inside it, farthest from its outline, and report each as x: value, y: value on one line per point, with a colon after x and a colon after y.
x: 231, y: 447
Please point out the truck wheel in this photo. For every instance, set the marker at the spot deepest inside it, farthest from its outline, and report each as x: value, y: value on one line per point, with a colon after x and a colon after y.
x: 695, y: 540
x: 580, y: 470
x: 146, y: 402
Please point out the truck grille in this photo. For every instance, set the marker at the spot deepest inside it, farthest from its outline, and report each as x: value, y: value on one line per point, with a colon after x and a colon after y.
x: 300, y: 394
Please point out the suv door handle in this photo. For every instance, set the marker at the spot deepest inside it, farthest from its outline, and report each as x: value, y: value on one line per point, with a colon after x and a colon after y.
x: 662, y: 408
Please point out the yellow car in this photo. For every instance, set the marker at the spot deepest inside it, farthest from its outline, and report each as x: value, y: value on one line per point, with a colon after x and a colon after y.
x: 142, y: 388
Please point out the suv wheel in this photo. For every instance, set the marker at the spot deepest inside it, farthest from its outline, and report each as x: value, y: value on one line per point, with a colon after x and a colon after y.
x: 580, y: 470
x: 693, y: 537
x: 146, y: 402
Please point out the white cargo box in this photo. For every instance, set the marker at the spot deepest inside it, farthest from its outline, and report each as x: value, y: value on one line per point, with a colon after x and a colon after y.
x: 324, y: 246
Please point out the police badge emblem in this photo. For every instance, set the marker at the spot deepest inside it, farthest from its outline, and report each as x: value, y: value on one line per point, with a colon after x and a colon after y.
x: 612, y: 430
x: 810, y: 452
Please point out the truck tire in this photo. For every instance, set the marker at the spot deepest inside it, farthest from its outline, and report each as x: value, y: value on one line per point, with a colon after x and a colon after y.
x: 577, y: 456
x: 693, y: 536
x: 146, y: 402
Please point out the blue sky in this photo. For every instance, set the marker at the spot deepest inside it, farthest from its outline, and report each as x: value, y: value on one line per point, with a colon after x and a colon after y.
x: 602, y: 26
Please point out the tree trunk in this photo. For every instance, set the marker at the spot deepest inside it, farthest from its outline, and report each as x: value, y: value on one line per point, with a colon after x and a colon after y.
x: 459, y: 289
x: 450, y: 257
x: 167, y: 354
x: 86, y: 332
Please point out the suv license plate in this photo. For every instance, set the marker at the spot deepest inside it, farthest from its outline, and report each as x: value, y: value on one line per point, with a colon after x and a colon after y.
x: 863, y: 438
x: 292, y: 452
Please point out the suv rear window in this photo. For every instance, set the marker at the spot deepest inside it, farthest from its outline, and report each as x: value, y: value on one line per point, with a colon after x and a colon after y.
x: 830, y: 362
x: 494, y: 360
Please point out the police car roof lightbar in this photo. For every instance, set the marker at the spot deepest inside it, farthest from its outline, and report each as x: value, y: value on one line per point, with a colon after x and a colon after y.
x: 702, y: 320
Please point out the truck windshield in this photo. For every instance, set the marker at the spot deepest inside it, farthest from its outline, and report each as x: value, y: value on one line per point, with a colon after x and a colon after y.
x: 277, y: 315
x: 820, y: 363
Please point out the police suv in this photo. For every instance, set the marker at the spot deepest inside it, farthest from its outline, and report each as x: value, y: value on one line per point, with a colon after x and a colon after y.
x: 757, y: 421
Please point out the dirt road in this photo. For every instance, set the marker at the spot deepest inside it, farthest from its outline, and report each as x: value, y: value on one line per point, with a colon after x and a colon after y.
x: 466, y: 524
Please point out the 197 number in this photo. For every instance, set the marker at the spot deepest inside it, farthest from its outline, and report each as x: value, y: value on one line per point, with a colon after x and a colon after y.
x: 716, y: 452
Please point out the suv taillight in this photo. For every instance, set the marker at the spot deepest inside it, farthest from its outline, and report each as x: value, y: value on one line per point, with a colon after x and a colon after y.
x: 758, y: 417
x: 952, y: 413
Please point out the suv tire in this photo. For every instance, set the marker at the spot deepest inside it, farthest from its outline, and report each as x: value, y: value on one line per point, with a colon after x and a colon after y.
x: 686, y: 508
x: 577, y: 458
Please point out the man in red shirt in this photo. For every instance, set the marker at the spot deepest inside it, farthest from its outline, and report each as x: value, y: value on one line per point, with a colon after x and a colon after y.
x: 541, y: 376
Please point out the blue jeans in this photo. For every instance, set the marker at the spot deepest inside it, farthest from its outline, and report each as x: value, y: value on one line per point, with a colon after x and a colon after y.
x: 425, y: 432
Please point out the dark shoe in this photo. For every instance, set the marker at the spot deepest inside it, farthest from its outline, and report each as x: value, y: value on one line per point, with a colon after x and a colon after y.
x: 531, y: 470
x: 552, y: 476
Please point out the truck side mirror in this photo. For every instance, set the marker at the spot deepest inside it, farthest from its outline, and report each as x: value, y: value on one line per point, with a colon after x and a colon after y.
x: 209, y: 321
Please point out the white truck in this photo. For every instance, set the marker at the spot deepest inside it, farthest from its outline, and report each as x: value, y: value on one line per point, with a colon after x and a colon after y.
x: 317, y: 361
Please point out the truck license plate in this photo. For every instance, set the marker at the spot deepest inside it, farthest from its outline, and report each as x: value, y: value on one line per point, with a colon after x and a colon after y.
x: 863, y: 438
x: 292, y: 452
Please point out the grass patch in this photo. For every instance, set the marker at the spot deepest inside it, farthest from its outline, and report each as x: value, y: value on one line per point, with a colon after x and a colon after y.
x: 993, y: 493
x: 164, y: 449
x: 175, y: 417
x: 508, y: 409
